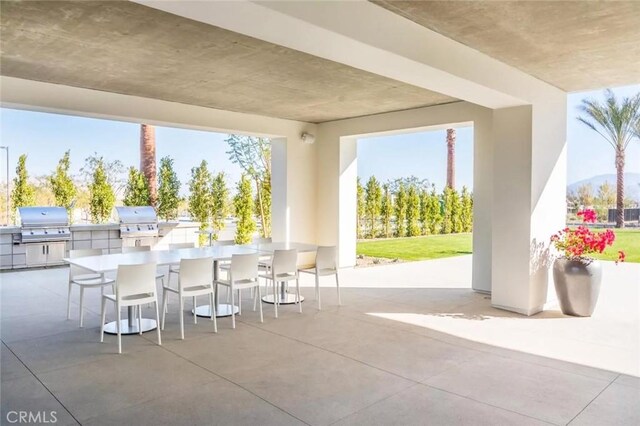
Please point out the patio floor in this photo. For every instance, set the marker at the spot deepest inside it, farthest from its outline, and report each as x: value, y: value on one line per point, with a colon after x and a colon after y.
x: 407, y: 347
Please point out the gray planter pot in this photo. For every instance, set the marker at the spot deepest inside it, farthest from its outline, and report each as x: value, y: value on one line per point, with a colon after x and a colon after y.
x: 577, y: 285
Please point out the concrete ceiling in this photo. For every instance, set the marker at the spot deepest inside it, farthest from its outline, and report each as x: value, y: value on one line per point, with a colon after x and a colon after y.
x: 573, y: 45
x: 128, y: 48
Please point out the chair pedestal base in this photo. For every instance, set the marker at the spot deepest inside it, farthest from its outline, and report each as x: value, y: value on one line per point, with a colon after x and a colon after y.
x: 148, y: 324
x: 222, y: 310
x: 283, y: 299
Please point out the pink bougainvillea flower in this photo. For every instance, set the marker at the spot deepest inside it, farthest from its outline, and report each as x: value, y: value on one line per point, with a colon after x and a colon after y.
x: 588, y: 215
x: 581, y: 242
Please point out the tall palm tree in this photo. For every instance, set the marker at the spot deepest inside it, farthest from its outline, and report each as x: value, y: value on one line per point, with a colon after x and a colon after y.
x: 148, y: 159
x: 615, y: 122
x: 451, y: 158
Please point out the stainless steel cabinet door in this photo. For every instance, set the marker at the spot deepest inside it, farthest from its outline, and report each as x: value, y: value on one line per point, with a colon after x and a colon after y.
x: 55, y: 253
x: 36, y: 254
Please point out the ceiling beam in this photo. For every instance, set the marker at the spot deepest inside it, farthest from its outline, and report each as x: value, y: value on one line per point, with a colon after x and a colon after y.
x: 365, y: 36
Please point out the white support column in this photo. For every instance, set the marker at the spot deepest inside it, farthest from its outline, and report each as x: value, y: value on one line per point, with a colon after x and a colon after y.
x: 347, y: 201
x: 529, y: 184
x: 482, y: 201
x: 280, y: 213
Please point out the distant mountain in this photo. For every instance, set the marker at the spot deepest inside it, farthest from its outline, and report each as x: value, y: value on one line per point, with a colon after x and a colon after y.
x: 631, y: 184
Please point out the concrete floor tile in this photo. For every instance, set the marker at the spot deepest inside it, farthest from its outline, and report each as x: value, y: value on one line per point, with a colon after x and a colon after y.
x: 92, y: 389
x: 74, y: 347
x: 320, y: 387
x: 405, y: 354
x: 617, y: 405
x: 421, y: 405
x: 10, y: 366
x: 217, y: 403
x: 623, y: 379
x: 37, y: 325
x: 27, y: 394
x: 541, y: 392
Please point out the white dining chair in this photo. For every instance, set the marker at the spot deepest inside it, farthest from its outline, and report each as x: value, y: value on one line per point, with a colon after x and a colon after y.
x: 326, y: 265
x: 243, y: 273
x: 137, y: 249
x: 284, y: 268
x: 175, y: 269
x: 261, y: 240
x: 195, y: 279
x: 84, y: 278
x: 135, y: 286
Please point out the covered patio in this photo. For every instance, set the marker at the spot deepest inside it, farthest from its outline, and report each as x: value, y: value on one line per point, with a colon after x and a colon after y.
x: 429, y: 351
x: 471, y: 340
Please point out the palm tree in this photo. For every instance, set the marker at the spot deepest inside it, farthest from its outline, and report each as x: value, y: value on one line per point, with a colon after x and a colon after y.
x: 451, y: 158
x: 615, y: 122
x: 148, y: 159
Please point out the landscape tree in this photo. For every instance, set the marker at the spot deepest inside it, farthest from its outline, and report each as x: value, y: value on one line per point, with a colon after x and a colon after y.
x: 605, y: 198
x: 584, y: 195
x: 456, y: 212
x: 148, y: 160
x: 62, y: 186
x: 360, y: 208
x: 101, y: 195
x: 386, y: 210
x: 253, y: 155
x: 413, y: 212
x: 420, y: 184
x: 243, y: 204
x: 615, y: 122
x: 136, y: 192
x: 434, y: 212
x: 262, y: 205
x: 467, y: 210
x: 373, y: 204
x: 401, y: 211
x: 168, y: 190
x: 219, y: 203
x: 113, y: 170
x: 424, y: 212
x: 23, y: 193
x: 447, y: 218
x: 200, y: 197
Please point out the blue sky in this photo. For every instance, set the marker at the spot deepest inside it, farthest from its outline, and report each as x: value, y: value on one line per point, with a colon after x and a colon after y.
x: 45, y: 138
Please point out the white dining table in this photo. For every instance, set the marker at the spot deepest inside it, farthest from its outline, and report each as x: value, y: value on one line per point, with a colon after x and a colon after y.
x: 102, y: 264
x: 284, y: 297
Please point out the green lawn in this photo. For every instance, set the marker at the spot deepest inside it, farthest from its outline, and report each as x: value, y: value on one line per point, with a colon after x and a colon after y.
x: 417, y: 248
x: 627, y: 240
x: 439, y: 246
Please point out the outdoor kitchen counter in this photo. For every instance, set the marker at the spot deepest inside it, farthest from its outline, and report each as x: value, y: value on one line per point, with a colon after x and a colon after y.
x: 105, y: 236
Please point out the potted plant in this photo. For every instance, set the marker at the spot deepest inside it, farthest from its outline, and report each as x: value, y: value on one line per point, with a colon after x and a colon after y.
x: 577, y: 275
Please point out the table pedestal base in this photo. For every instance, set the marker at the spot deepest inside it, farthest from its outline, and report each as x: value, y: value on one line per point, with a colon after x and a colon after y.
x: 148, y: 324
x: 286, y: 299
x: 222, y: 310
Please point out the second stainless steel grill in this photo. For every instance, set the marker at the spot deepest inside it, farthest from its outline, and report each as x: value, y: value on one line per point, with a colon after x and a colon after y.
x: 138, y: 225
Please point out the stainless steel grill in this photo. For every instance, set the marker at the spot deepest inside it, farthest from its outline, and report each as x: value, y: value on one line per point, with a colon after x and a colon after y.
x: 44, y: 224
x: 138, y: 225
